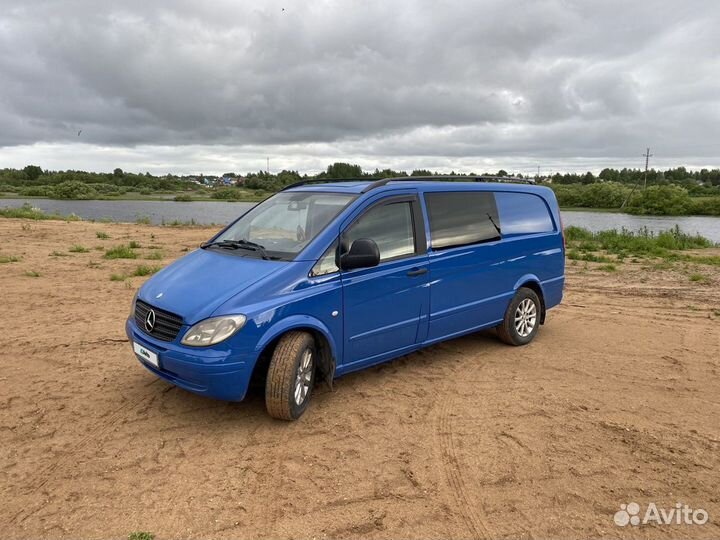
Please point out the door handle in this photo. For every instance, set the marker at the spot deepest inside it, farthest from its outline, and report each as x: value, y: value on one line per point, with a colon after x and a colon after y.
x: 417, y: 272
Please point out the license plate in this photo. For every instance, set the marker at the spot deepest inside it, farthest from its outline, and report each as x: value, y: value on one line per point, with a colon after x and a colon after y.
x: 146, y: 355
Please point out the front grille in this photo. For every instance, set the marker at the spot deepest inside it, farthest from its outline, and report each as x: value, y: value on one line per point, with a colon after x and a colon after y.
x: 167, y: 325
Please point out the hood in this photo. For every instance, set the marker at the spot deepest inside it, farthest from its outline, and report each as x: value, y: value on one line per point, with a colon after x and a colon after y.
x: 197, y: 284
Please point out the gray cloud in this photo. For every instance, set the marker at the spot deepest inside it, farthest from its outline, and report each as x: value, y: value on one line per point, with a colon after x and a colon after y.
x: 440, y: 84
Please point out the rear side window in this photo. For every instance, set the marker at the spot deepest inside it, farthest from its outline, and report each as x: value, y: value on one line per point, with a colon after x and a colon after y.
x: 462, y: 217
x: 523, y: 213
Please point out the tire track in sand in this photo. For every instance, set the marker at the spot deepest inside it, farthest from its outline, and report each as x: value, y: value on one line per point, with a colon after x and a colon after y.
x: 453, y: 473
x: 51, y: 471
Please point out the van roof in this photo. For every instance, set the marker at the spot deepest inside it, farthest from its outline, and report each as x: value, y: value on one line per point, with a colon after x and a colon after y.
x: 420, y: 183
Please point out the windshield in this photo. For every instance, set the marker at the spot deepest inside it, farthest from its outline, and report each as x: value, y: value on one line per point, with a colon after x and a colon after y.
x: 284, y: 224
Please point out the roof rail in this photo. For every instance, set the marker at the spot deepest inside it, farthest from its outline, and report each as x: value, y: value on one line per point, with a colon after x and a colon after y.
x: 453, y: 178
x: 439, y: 178
x: 324, y: 181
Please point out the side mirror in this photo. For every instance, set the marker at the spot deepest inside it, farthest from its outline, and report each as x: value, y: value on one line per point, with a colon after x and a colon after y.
x: 363, y: 253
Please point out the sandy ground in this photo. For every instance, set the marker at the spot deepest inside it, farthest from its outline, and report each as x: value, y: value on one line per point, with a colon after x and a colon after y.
x: 615, y: 401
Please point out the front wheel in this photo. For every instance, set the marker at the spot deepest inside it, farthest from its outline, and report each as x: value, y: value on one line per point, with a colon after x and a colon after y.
x: 522, y: 318
x: 290, y: 376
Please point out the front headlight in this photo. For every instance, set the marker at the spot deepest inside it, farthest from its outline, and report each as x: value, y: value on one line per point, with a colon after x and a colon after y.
x: 212, y: 331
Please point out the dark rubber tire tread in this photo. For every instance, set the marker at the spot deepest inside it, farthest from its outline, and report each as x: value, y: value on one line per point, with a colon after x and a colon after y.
x: 506, y: 330
x: 280, y: 383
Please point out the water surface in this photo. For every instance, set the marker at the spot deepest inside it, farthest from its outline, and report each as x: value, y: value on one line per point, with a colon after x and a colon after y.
x: 209, y: 212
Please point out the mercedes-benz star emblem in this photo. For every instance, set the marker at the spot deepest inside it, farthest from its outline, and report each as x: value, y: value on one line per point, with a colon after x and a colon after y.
x: 150, y: 321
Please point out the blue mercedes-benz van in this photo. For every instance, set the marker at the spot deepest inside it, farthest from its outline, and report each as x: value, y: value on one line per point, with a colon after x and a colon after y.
x: 322, y: 279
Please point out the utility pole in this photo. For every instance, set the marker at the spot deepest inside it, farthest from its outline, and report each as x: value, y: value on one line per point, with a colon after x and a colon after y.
x: 647, y: 156
x: 268, y: 166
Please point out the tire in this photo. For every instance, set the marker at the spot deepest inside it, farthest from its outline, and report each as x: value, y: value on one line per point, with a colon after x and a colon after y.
x: 290, y: 379
x: 522, y: 318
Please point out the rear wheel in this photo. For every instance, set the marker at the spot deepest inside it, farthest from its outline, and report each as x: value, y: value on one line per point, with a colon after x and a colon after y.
x: 291, y: 376
x: 522, y: 318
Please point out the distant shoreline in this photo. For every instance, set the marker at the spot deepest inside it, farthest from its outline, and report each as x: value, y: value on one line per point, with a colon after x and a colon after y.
x: 170, y: 197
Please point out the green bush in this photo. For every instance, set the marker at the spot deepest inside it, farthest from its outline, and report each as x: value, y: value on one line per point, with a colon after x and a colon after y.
x: 36, y: 191
x: 706, y: 206
x: 661, y: 201
x: 108, y: 189
x: 73, y: 189
x: 26, y: 211
x: 577, y: 233
x: 227, y: 194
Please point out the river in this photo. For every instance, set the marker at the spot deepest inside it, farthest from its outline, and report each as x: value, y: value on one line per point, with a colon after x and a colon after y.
x: 209, y: 212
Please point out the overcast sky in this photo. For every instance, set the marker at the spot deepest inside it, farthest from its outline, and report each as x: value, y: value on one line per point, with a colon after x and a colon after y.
x: 187, y: 86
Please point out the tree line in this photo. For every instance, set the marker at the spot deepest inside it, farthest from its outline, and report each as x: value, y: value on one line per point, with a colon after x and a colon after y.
x: 673, y: 191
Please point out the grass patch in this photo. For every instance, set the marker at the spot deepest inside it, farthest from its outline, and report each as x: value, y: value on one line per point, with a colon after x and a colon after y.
x: 78, y: 249
x: 623, y: 243
x: 120, y: 252
x: 26, y: 211
x: 699, y: 278
x: 712, y: 260
x: 155, y: 256
x: 102, y: 235
x: 117, y: 277
x: 141, y: 535
x: 607, y: 268
x: 58, y: 254
x: 575, y: 255
x: 134, y: 245
x: 32, y: 273
x: 183, y: 197
x: 179, y: 223
x: 145, y: 270
x: 143, y: 220
x: 4, y: 259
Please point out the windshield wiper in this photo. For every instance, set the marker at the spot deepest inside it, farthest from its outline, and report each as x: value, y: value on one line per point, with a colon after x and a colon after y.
x: 240, y: 244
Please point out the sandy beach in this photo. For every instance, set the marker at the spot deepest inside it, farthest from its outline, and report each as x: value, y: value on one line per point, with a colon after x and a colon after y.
x: 616, y: 401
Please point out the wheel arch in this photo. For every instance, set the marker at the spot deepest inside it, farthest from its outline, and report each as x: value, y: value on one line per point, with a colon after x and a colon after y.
x: 532, y: 282
x: 324, y: 341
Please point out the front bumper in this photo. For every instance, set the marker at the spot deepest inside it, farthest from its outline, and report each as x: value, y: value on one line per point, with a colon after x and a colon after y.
x: 205, y: 371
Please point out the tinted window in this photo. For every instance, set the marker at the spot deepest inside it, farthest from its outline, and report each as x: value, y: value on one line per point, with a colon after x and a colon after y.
x: 390, y: 226
x: 523, y: 213
x: 462, y: 218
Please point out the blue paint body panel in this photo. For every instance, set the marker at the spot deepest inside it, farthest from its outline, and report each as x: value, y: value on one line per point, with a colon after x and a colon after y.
x: 367, y: 315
